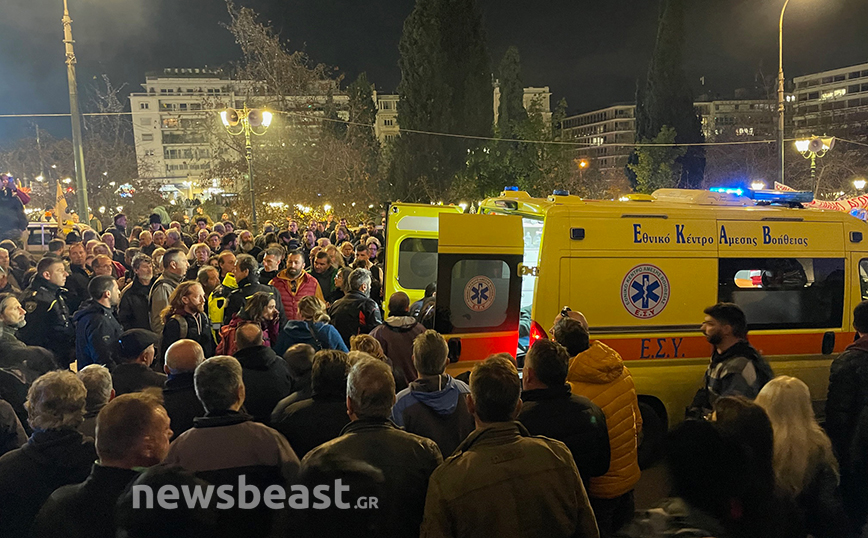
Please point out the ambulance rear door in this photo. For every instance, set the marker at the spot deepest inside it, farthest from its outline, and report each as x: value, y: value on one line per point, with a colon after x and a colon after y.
x: 479, y: 284
x: 411, y: 248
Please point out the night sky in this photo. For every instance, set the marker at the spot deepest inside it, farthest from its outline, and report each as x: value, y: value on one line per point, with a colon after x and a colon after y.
x: 590, y: 52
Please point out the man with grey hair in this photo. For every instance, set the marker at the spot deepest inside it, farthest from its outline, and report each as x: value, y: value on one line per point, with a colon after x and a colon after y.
x: 356, y: 313
x: 505, y: 477
x: 179, y: 394
x: 246, y: 448
x: 98, y: 381
x: 434, y: 406
x: 54, y: 456
x: 174, y: 270
x: 4, y: 263
x: 405, y: 459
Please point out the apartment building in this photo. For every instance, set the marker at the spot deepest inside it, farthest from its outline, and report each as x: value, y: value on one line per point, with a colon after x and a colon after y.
x: 832, y: 103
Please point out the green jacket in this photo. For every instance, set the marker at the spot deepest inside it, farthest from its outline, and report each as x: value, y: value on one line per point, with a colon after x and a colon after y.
x: 502, y: 481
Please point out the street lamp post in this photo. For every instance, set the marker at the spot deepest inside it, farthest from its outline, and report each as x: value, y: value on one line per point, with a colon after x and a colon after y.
x: 75, y: 113
x: 813, y: 148
x: 780, y: 129
x: 248, y: 120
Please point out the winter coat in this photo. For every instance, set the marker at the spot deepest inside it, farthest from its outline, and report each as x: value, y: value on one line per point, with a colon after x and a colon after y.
x: 96, y: 334
x: 10, y: 346
x: 396, y: 336
x: 135, y: 377
x: 266, y: 377
x: 133, y: 309
x: 219, y: 299
x: 49, y: 323
x: 575, y: 421
x: 326, y: 281
x: 226, y: 346
x: 28, y: 475
x: 317, y: 334
x: 847, y: 400
x: 197, y: 329
x: 306, y: 424
x: 738, y: 371
x: 500, y: 481
x: 13, y: 221
x: 76, y: 285
x: 599, y: 374
x: 120, y: 235
x: 246, y: 448
x: 181, y: 403
x: 406, y: 461
x: 304, y: 285
x: 85, y: 510
x: 237, y: 300
x: 355, y: 313
x: 158, y: 299
x: 435, y: 407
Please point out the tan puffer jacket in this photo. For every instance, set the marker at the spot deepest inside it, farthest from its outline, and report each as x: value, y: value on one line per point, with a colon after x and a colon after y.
x: 599, y: 374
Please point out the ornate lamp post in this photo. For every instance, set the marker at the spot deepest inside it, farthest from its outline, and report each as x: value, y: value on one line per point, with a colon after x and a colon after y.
x: 78, y: 152
x: 247, y: 121
x: 815, y: 147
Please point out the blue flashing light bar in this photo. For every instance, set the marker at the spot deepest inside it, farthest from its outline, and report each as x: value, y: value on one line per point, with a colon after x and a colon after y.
x: 782, y: 197
x: 727, y: 190
x: 510, y: 189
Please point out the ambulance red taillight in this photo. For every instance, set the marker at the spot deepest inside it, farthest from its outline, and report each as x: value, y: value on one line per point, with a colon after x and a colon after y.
x: 536, y: 332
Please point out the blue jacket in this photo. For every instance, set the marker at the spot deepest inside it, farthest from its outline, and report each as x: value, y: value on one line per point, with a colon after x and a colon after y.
x: 299, y: 332
x: 96, y: 332
x: 435, y: 407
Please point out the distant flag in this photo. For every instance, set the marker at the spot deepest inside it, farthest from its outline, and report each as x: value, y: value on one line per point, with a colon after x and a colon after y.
x: 60, y: 207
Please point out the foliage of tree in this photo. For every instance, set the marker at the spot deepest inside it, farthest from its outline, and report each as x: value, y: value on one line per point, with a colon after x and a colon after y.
x: 445, y: 88
x: 666, y: 98
x: 511, y: 110
x: 658, y: 167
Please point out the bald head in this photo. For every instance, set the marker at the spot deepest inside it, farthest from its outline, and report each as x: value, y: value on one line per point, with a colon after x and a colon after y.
x: 184, y: 356
x: 248, y: 335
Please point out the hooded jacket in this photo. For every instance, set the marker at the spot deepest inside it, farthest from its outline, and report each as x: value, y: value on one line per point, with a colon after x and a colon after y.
x: 266, y: 377
x: 133, y: 309
x: 435, y: 407
x: 304, y: 285
x: 396, y: 336
x: 317, y: 334
x: 28, y: 475
x: 599, y: 374
x: 96, y: 333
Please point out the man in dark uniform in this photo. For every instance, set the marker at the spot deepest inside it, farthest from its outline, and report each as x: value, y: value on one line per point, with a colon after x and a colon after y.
x: 79, y: 277
x: 48, y: 321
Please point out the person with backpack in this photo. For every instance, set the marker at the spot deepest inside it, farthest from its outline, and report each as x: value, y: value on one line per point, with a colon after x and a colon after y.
x: 261, y: 309
x: 185, y: 318
x: 356, y: 313
x: 313, y: 328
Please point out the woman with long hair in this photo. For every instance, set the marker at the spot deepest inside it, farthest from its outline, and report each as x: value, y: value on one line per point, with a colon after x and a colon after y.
x: 336, y: 259
x: 804, y: 463
x: 370, y: 345
x: 260, y: 308
x: 313, y: 328
x: 348, y: 251
x: 342, y: 283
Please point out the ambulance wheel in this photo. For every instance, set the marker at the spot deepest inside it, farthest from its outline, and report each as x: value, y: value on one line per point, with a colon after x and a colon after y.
x: 652, y: 437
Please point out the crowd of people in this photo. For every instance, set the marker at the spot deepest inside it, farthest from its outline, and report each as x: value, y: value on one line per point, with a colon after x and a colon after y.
x: 202, y: 354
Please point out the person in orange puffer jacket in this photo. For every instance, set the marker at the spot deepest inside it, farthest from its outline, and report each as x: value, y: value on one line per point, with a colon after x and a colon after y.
x: 597, y: 372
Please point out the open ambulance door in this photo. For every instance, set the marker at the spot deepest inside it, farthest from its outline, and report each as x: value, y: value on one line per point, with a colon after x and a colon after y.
x: 479, y: 285
x: 411, y: 248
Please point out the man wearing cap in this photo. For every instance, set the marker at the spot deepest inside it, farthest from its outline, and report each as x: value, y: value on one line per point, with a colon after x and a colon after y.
x: 135, y: 353
x: 155, y: 223
x: 119, y: 231
x: 96, y: 328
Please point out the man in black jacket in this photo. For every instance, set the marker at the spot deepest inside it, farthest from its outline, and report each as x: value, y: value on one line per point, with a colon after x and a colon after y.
x: 847, y: 418
x: 311, y: 422
x: 48, y: 320
x: 188, y: 319
x: 119, y: 231
x: 247, y: 277
x: 79, y: 277
x: 96, y: 329
x: 54, y: 456
x: 133, y: 433
x: 179, y: 394
x: 266, y: 375
x: 324, y: 273
x: 550, y: 409
x: 133, y: 312
x: 356, y: 313
x: 135, y: 354
x: 13, y: 221
x: 405, y: 459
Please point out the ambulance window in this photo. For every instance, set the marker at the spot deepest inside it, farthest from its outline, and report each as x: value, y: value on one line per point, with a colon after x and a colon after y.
x: 863, y: 278
x: 785, y: 293
x: 417, y: 263
x: 533, y: 229
x: 480, y: 293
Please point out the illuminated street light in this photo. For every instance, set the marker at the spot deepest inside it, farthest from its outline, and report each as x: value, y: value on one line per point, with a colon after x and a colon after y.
x: 859, y: 184
x: 758, y: 185
x: 68, y: 180
x: 247, y: 121
x: 327, y: 208
x: 815, y: 147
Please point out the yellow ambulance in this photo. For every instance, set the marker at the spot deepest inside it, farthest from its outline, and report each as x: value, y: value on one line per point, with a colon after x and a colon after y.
x: 642, y: 271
